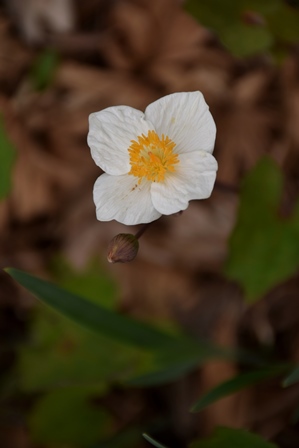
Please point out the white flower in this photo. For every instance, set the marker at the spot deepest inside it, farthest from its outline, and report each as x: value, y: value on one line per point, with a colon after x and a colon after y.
x: 155, y: 162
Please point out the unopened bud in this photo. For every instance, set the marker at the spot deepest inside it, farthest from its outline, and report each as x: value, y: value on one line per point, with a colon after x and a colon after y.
x: 122, y: 248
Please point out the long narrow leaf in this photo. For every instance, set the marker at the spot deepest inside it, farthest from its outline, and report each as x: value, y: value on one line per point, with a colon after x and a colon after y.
x: 153, y: 441
x: 237, y: 383
x: 167, y: 374
x: 171, y: 365
x: 105, y: 322
x: 292, y: 378
x: 174, y: 355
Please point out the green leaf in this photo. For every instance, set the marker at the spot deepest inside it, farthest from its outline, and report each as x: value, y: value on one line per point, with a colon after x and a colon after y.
x: 7, y: 158
x: 263, y: 248
x: 237, y: 383
x: 178, y: 361
x: 60, y: 353
x: 292, y: 378
x: 248, y: 27
x: 172, y: 364
x: 94, y: 317
x: 168, y: 374
x: 284, y: 23
x: 70, y: 416
x: 251, y: 40
x: 153, y: 441
x: 225, y: 18
x: 86, y: 283
x: 43, y: 69
x: 232, y: 438
x: 171, y: 355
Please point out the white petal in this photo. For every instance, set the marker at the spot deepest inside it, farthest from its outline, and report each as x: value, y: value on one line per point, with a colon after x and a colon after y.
x: 185, y: 118
x: 122, y: 199
x: 197, y: 170
x: 194, y: 179
x: 110, y: 133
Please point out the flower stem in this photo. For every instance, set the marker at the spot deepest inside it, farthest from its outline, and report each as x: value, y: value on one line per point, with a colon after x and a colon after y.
x: 142, y: 230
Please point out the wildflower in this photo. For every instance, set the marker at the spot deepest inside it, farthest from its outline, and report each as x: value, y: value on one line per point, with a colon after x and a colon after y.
x: 155, y: 162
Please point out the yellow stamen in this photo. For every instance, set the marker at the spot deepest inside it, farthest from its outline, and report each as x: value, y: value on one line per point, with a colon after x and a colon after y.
x: 152, y: 157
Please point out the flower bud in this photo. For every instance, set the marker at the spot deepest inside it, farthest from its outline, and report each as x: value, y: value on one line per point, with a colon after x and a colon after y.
x: 122, y: 248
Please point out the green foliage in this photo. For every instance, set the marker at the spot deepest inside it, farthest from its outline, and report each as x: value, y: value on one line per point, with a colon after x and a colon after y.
x: 181, y: 358
x: 7, y: 158
x: 175, y: 362
x: 95, y: 317
x: 93, y: 283
x: 165, y: 356
x: 166, y: 374
x: 292, y: 378
x: 284, y: 24
x: 61, y: 354
x: 232, y: 438
x: 43, y: 69
x: 248, y: 27
x: 70, y: 416
x: 264, y: 248
x: 237, y: 383
x: 73, y: 366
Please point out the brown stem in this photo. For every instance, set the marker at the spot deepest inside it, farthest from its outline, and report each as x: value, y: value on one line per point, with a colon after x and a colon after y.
x: 142, y: 230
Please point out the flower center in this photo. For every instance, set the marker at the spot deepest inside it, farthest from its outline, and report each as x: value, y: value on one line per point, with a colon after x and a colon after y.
x: 152, y: 157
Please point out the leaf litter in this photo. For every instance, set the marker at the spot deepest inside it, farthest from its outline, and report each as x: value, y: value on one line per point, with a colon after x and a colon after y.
x: 133, y: 52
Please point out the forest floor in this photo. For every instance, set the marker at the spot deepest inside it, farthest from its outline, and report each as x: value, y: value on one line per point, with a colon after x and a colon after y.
x: 133, y: 52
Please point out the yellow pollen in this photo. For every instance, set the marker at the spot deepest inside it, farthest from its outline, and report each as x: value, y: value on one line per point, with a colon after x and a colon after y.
x: 152, y: 157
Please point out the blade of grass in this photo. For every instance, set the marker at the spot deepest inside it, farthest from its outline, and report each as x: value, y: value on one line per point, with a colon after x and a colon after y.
x: 94, y: 317
x: 237, y: 383
x: 175, y: 355
x: 153, y: 441
x: 292, y: 378
x: 165, y: 375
